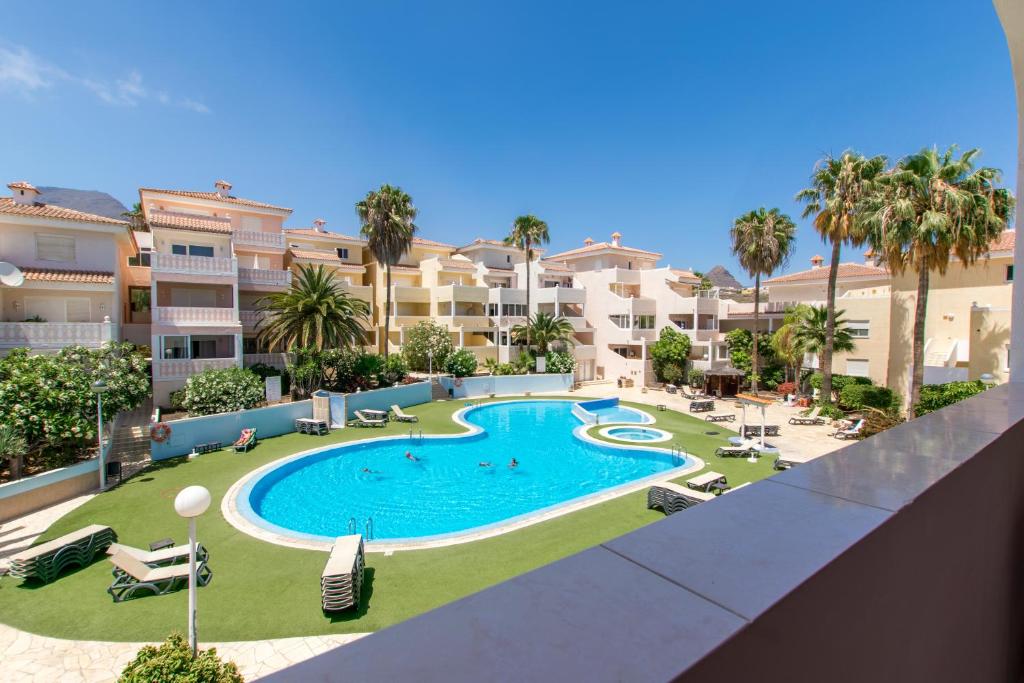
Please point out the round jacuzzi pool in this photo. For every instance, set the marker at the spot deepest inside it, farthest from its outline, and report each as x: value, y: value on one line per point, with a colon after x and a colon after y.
x: 636, y: 434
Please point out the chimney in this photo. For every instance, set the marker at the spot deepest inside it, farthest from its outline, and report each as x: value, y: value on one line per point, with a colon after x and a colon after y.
x: 319, y: 224
x: 869, y: 257
x: 223, y: 188
x: 587, y: 242
x: 23, y: 193
x: 817, y: 261
x: 616, y: 239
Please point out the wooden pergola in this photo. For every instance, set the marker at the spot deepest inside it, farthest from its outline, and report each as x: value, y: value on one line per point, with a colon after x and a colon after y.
x: 756, y: 401
x: 722, y: 382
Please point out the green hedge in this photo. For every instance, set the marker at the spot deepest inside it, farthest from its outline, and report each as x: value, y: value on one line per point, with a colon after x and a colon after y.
x: 855, y: 396
x: 935, y: 396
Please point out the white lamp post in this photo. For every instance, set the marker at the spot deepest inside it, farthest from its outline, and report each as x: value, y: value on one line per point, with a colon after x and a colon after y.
x: 99, y: 387
x: 430, y: 363
x: 190, y: 503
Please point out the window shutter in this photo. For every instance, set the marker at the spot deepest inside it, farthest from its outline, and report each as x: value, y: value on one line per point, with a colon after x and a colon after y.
x: 78, y: 310
x: 55, y: 248
x: 857, y: 367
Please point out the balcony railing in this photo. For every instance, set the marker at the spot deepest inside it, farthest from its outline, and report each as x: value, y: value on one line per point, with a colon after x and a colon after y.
x: 256, y: 238
x: 469, y: 321
x: 562, y: 295
x: 275, y: 360
x: 55, y: 335
x: 363, y: 292
x: 264, y: 278
x: 193, y: 265
x: 407, y: 294
x: 250, y: 319
x: 195, y: 315
x: 180, y: 368
x: 584, y: 351
x: 464, y: 293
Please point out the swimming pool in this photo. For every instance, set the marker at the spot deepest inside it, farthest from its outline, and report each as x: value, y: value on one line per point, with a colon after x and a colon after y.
x: 607, y: 411
x: 636, y: 434
x: 455, y: 485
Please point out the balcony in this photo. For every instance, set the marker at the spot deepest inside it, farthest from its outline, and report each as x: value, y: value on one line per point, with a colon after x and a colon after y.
x: 709, y: 335
x: 182, y: 368
x: 462, y: 293
x: 267, y: 279
x: 193, y: 265
x: 362, y: 292
x: 625, y: 276
x: 55, y: 335
x: 636, y: 305
x: 483, y: 353
x: 578, y: 323
x: 194, y: 315
x: 412, y: 295
x: 507, y: 295
x: 471, y: 321
x: 584, y: 351
x: 257, y: 238
x: 558, y: 295
x: 250, y: 319
x: 406, y: 320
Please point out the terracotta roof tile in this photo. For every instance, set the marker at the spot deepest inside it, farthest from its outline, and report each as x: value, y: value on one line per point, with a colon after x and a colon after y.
x: 77, y: 276
x: 846, y: 270
x: 214, y: 197
x: 1004, y: 242
x: 39, y: 210
x: 22, y: 185
x: 403, y: 269
x: 325, y: 257
x: 431, y: 243
x: 324, y: 235
x: 555, y: 266
x: 685, y: 275
x: 456, y: 264
x: 600, y: 246
x: 188, y: 221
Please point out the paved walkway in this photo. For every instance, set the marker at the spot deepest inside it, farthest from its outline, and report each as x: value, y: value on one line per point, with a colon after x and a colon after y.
x: 18, y: 534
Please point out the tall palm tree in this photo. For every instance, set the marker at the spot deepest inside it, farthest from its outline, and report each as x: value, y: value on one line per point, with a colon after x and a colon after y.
x: 811, y: 333
x: 931, y: 207
x: 762, y: 241
x: 784, y: 342
x: 545, y: 330
x: 526, y: 232
x: 136, y: 217
x: 387, y: 217
x: 314, y: 312
x: 838, y: 185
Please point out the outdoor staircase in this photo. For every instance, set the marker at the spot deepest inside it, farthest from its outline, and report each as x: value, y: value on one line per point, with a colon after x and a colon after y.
x: 437, y: 392
x: 130, y: 444
x: 938, y: 353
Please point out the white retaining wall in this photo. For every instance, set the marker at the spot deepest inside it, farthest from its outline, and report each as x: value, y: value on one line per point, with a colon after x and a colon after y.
x: 507, y: 384
x: 381, y: 399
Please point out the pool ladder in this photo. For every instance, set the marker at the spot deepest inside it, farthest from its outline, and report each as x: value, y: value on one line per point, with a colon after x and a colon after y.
x: 678, y: 451
x: 413, y: 436
x: 353, y: 527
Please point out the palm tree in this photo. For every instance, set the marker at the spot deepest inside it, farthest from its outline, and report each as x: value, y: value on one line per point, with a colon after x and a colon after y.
x: 314, y: 312
x: 526, y: 232
x: 784, y: 341
x: 931, y: 207
x: 838, y: 185
x: 13, y: 447
x: 811, y: 334
x: 387, y: 217
x: 762, y: 240
x: 136, y: 217
x: 545, y: 330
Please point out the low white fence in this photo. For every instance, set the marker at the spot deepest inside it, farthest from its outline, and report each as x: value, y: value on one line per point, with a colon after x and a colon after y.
x: 500, y: 385
x: 26, y: 495
x: 381, y: 399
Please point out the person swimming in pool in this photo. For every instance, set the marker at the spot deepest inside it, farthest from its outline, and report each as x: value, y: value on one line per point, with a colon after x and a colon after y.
x: 367, y: 470
x: 410, y: 457
x: 513, y: 464
x: 484, y: 464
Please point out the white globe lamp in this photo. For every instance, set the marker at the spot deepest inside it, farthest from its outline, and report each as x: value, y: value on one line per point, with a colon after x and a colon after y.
x: 191, y: 502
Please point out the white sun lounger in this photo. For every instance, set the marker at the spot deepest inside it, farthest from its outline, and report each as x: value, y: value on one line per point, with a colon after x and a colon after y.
x: 342, y: 578
x: 703, y: 482
x: 811, y: 418
x: 132, y: 575
x: 720, y: 417
x: 672, y: 498
x: 853, y: 432
x: 743, y: 448
x: 403, y: 416
x: 364, y: 420
x: 47, y: 560
x: 156, y: 558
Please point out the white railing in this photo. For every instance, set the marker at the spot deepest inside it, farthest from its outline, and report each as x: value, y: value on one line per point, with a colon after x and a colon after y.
x: 270, y: 278
x: 257, y: 238
x: 186, y: 367
x: 191, y: 315
x: 55, y: 335
x: 250, y: 318
x: 193, y: 265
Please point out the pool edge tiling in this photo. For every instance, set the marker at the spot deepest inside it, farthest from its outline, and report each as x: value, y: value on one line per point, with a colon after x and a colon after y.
x: 237, y: 508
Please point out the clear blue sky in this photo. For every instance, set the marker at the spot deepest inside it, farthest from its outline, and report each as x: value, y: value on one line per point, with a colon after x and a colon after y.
x: 661, y: 121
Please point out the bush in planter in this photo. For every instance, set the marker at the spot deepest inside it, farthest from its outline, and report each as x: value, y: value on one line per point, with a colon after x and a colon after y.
x: 461, y: 363
x: 394, y: 370
x: 560, y: 362
x: 172, y: 662
x: 855, y: 396
x: 696, y: 377
x: 423, y: 337
x: 222, y: 391
x: 672, y: 374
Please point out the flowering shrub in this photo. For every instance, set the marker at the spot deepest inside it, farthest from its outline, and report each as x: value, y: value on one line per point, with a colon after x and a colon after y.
x: 221, y: 391
x: 560, y: 362
x: 787, y: 388
x: 172, y: 662
x: 427, y: 336
x: 461, y: 363
x: 49, y: 399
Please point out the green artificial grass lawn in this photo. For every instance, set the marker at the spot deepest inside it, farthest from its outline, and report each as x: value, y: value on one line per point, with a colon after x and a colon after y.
x: 261, y: 590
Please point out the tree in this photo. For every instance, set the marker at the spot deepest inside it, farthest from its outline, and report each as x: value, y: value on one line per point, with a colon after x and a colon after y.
x: 387, y: 217
x: 705, y: 281
x: 935, y: 396
x: 223, y: 391
x: 315, y: 311
x: 762, y: 240
x: 526, y: 232
x: 461, y: 363
x: 933, y: 206
x: 546, y: 330
x: 811, y: 334
x: 136, y: 217
x: 425, y: 341
x: 838, y: 186
x: 669, y: 355
x: 13, y: 447
x: 784, y: 342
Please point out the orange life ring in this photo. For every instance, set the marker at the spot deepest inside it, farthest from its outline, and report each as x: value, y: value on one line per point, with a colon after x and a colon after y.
x: 160, y: 432
x: 458, y: 381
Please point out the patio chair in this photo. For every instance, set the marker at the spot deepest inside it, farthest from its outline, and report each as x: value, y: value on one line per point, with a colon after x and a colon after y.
x: 47, y: 560
x: 812, y: 418
x: 246, y: 440
x: 132, y: 576
x: 342, y: 578
x: 158, y: 558
x: 671, y: 388
x: 363, y: 420
x: 744, y: 447
x: 720, y: 417
x: 853, y: 432
x: 672, y: 498
x: 403, y: 416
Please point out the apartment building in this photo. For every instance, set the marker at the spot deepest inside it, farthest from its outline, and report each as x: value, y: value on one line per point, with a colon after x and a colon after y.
x: 213, y: 255
x: 967, y: 325
x: 72, y: 290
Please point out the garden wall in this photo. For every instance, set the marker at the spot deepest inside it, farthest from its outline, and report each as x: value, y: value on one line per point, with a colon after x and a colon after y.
x: 506, y: 384
x: 225, y: 427
x: 27, y: 495
x: 382, y: 399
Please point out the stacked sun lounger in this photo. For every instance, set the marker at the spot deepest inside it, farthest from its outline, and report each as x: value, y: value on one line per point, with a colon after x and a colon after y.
x: 342, y: 577
x: 47, y: 560
x: 755, y: 430
x: 133, y: 577
x: 785, y: 462
x: 671, y: 498
x: 307, y: 425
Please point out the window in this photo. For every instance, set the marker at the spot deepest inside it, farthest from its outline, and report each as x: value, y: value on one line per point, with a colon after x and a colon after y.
x: 252, y: 223
x: 192, y: 250
x: 1009, y: 273
x: 620, y: 320
x: 143, y: 259
x: 513, y: 310
x: 492, y: 309
x: 77, y: 310
x: 179, y: 249
x: 55, y: 248
x: 204, y: 347
x: 643, y: 322
x: 342, y: 253
x: 175, y: 347
x: 139, y: 299
x: 508, y: 258
x: 859, y: 329
x: 857, y: 367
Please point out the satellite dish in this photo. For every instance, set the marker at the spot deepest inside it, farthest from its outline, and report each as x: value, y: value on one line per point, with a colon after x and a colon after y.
x: 11, y: 275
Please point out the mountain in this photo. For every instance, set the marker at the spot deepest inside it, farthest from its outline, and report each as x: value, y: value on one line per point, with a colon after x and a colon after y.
x: 721, y: 277
x: 89, y: 201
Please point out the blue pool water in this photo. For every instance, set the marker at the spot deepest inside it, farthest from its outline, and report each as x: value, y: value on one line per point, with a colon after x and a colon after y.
x: 608, y: 410
x: 635, y: 434
x: 448, y: 491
